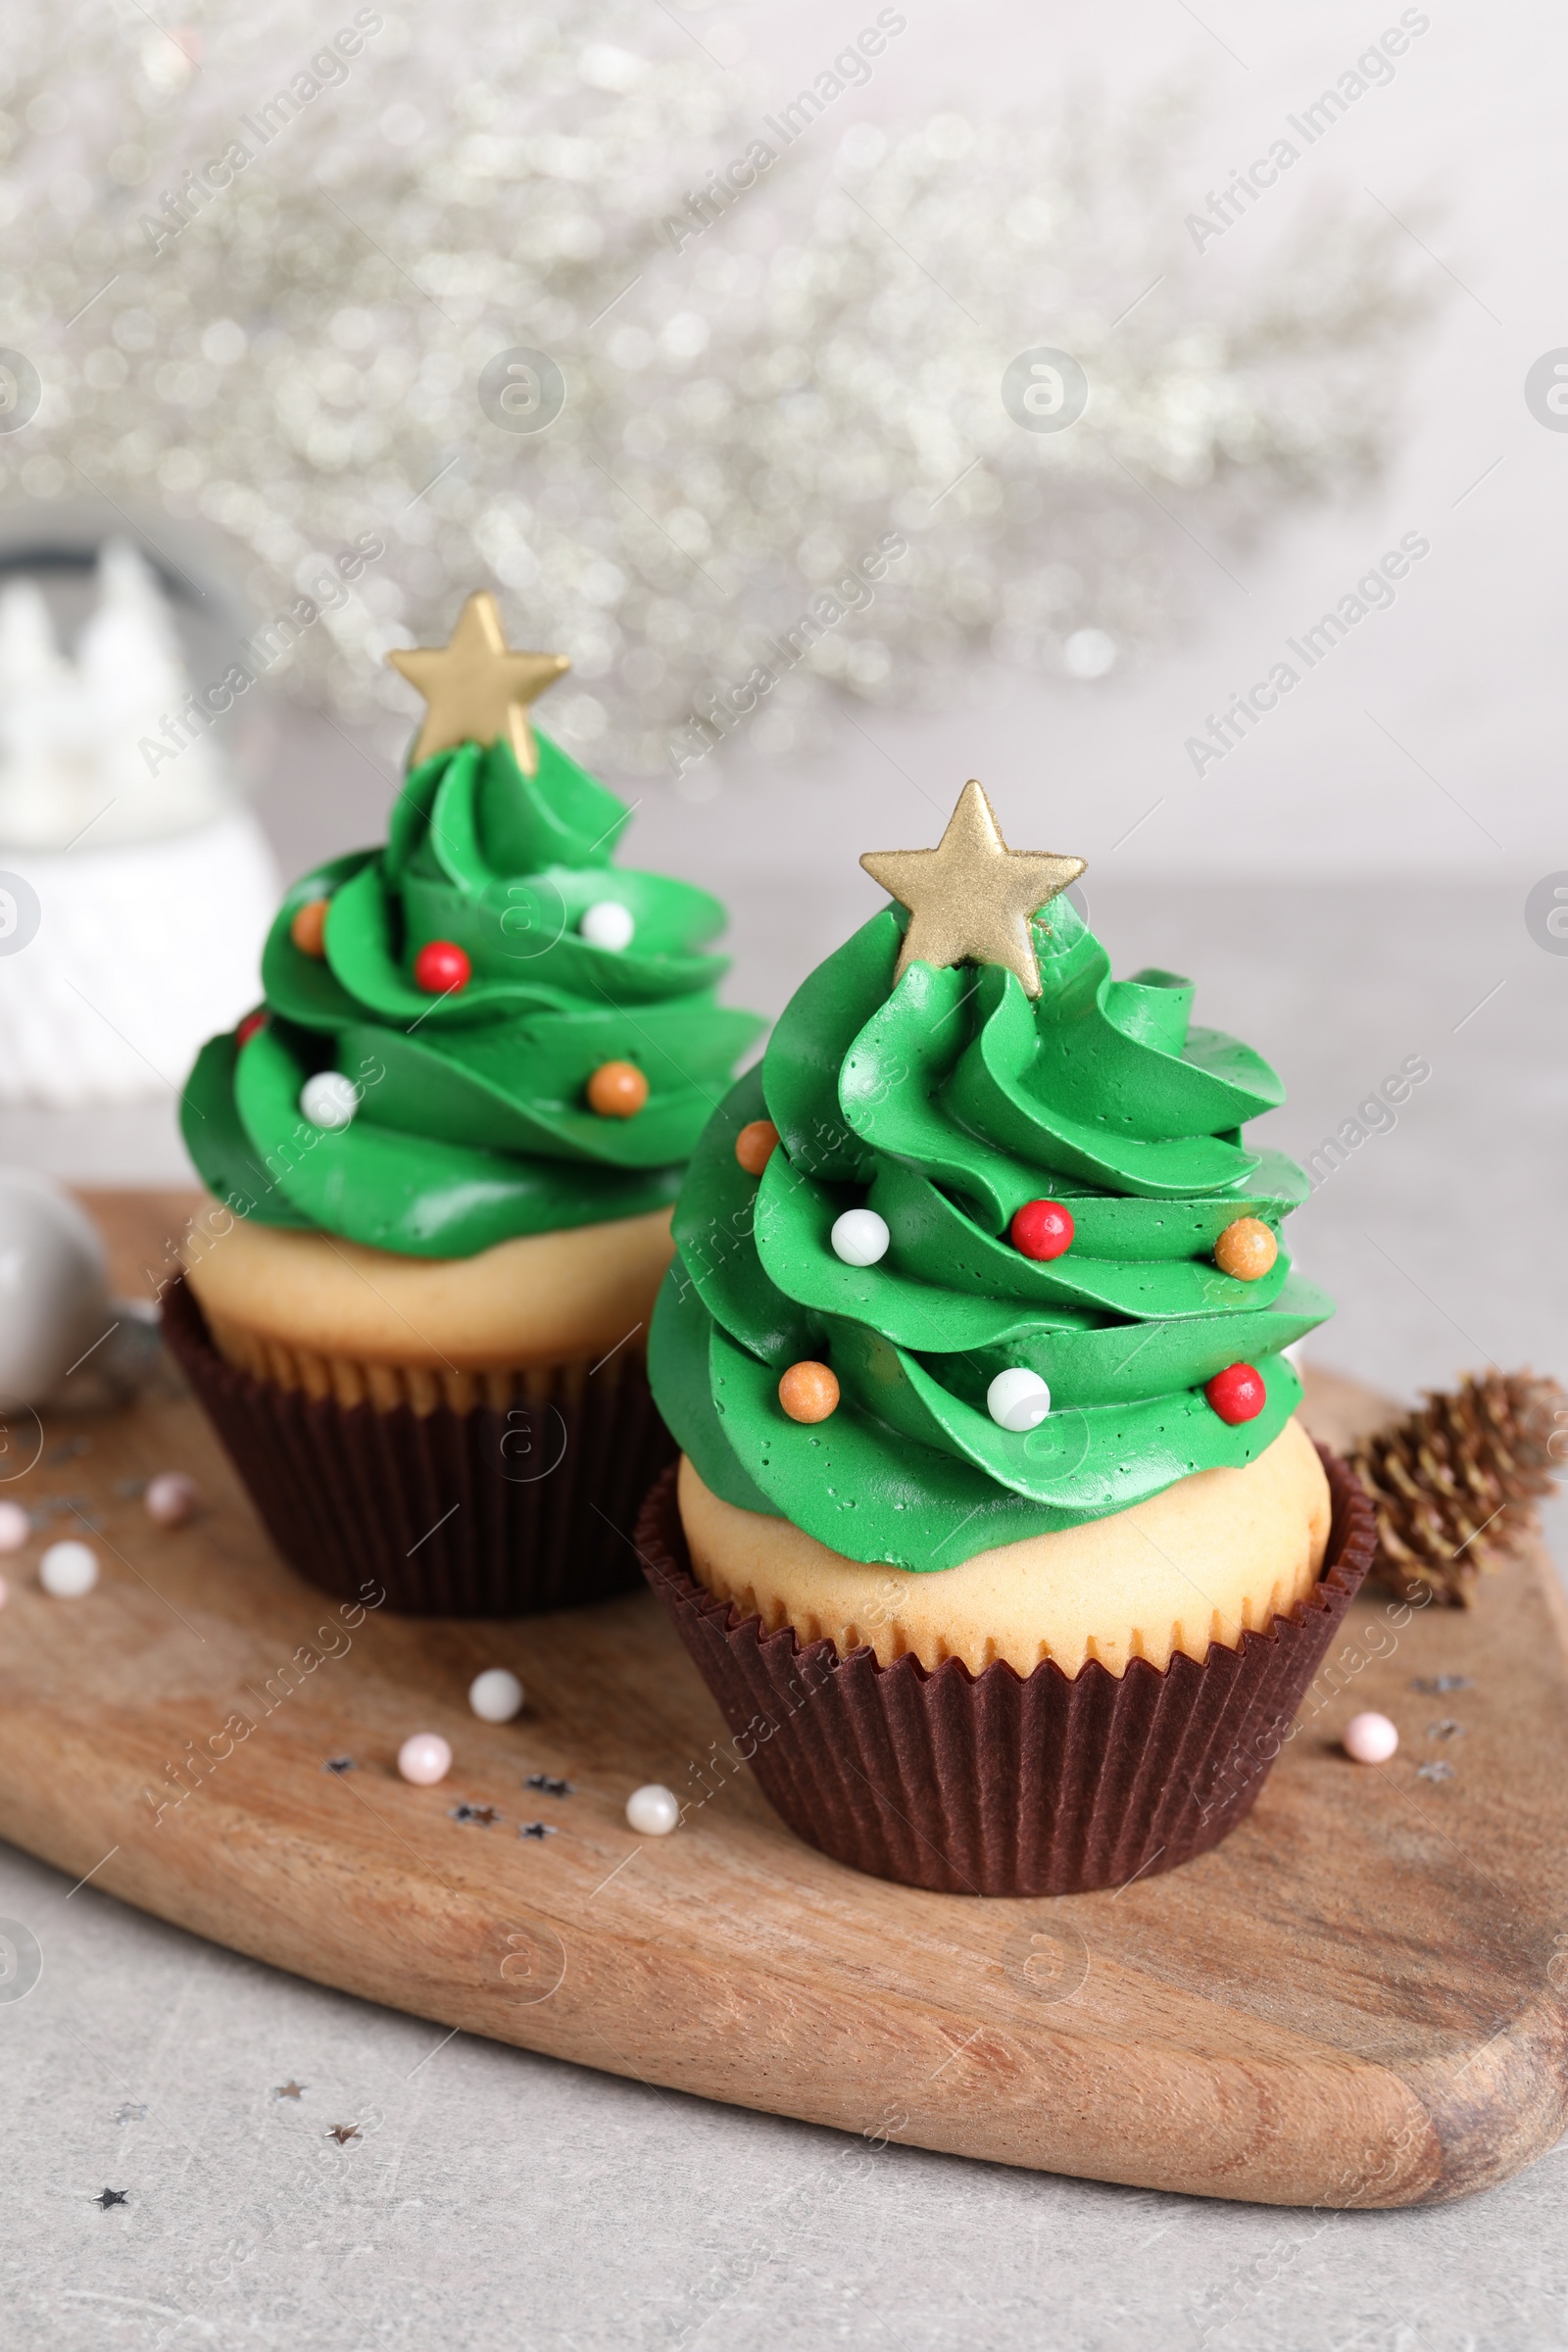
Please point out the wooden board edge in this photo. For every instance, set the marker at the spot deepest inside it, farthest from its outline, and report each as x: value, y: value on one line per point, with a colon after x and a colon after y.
x: 1381, y: 2136
x: 1501, y: 2105
x: 1025, y: 2098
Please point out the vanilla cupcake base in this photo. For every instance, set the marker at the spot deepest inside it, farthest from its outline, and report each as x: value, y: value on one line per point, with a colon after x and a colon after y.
x: 458, y: 1437
x: 422, y: 1387
x: 1216, y: 1556
x: 311, y: 1311
x: 999, y: 1783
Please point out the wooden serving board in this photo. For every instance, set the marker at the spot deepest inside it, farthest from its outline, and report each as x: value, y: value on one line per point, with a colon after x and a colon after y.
x: 1358, y: 2000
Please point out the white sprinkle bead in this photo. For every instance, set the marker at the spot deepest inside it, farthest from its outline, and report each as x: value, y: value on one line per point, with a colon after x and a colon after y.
x: 328, y: 1099
x: 860, y: 1237
x: 69, y: 1570
x: 425, y: 1758
x: 171, y: 1497
x: 606, y: 923
x: 654, y: 1811
x: 496, y: 1696
x: 1370, y: 1739
x: 1019, y: 1399
x: 14, y: 1526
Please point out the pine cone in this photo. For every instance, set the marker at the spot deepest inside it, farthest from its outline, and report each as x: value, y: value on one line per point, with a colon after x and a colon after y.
x: 1444, y: 1478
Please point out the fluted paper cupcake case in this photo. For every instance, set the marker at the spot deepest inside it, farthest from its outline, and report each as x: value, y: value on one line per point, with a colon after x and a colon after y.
x: 999, y: 1783
x: 441, y: 1509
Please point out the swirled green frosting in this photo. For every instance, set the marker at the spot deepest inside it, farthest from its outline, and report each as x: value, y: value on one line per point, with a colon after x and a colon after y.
x: 944, y: 1104
x: 473, y: 1124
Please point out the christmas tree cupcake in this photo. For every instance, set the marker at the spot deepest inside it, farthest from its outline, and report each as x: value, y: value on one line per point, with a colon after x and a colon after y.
x: 442, y: 1154
x: 994, y: 1533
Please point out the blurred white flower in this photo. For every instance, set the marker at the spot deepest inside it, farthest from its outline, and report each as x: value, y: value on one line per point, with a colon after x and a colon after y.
x: 817, y: 365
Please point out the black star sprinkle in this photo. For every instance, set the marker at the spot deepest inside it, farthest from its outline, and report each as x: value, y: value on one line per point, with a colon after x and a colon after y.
x: 548, y: 1786
x: 130, y: 2113
x: 536, y: 1829
x: 481, y: 1815
x: 338, y: 1764
x: 290, y: 2090
x: 111, y: 2196
x: 1438, y: 1771
x: 1448, y: 1728
x: 1432, y: 1686
x: 343, y: 2133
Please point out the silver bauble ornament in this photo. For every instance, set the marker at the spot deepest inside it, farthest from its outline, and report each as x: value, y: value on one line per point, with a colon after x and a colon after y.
x: 54, y: 1292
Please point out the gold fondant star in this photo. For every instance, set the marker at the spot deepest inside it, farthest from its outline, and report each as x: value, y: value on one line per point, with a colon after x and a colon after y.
x: 475, y: 688
x: 972, y: 897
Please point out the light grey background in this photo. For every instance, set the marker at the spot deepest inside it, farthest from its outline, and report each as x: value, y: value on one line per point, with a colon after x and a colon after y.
x: 1349, y: 891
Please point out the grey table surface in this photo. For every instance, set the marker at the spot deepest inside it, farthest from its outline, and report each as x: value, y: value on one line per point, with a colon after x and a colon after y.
x: 495, y: 2198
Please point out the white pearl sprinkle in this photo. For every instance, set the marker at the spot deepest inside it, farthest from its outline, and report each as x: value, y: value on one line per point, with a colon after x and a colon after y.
x: 14, y: 1526
x: 329, y: 1100
x: 860, y: 1237
x: 606, y: 923
x: 69, y: 1570
x: 1370, y: 1739
x: 1017, y: 1399
x: 496, y: 1696
x: 171, y: 1497
x: 652, y: 1811
x: 425, y: 1758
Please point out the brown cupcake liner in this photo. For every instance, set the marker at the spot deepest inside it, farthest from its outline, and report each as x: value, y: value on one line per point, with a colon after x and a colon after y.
x: 998, y: 1782
x: 502, y: 1510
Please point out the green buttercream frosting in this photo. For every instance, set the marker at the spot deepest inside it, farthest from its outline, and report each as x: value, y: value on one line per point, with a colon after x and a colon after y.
x: 944, y: 1104
x: 473, y: 1124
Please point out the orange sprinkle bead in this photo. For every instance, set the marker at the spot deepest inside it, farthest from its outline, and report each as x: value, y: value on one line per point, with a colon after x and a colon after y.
x: 755, y: 1144
x: 308, y: 930
x: 617, y: 1090
x: 1246, y: 1249
x: 808, y: 1391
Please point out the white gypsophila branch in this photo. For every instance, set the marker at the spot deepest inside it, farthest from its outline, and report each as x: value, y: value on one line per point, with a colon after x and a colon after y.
x: 756, y: 390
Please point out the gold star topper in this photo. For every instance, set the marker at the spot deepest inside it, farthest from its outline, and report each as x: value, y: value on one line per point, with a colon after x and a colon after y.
x: 475, y: 688
x: 972, y: 897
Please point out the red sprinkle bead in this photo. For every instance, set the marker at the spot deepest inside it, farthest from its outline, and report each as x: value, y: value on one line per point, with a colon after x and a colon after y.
x: 249, y: 1026
x: 1042, y: 1229
x: 1236, y: 1393
x: 441, y: 966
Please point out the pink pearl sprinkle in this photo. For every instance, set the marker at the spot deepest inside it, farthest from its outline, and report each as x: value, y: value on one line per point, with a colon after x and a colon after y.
x: 425, y: 1758
x: 171, y: 1497
x: 15, y: 1526
x: 1370, y: 1739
